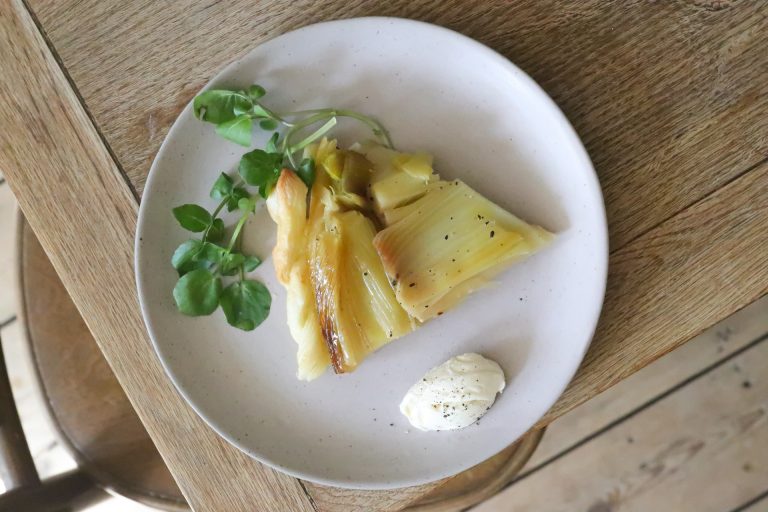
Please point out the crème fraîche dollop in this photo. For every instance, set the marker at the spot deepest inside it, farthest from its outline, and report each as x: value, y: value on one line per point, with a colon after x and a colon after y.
x: 454, y: 394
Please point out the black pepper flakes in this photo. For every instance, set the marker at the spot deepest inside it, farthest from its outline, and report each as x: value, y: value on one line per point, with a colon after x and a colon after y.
x: 446, y: 237
x: 411, y: 285
x: 492, y: 233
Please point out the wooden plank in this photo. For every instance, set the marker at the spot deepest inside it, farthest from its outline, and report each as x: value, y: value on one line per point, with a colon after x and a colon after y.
x: 76, y: 200
x: 675, y: 281
x: 332, y: 499
x: 703, y: 448
x: 670, y: 97
x: 715, y: 344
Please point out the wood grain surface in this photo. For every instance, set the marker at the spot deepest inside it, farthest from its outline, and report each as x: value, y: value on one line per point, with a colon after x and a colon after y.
x: 669, y: 97
x: 676, y: 280
x: 86, y: 224
x: 715, y: 344
x: 703, y: 448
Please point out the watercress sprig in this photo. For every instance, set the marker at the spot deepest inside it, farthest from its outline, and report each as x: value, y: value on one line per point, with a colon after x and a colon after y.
x: 202, y: 264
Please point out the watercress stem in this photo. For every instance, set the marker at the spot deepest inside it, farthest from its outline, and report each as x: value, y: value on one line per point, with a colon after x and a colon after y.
x: 376, y: 127
x: 313, y: 136
x: 213, y: 217
x: 286, y: 147
x: 274, y: 115
x: 236, y: 232
x: 307, y: 121
x: 291, y: 161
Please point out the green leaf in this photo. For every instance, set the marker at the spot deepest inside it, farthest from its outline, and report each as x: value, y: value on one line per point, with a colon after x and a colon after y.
x: 184, y: 257
x: 197, y: 292
x: 250, y: 263
x: 192, y: 217
x: 216, y: 232
x: 194, y: 254
x: 271, y: 146
x: 218, y: 106
x: 231, y: 263
x: 238, y: 193
x: 246, y: 204
x: 268, y: 187
x: 306, y: 171
x: 258, y: 167
x: 242, y: 108
x: 256, y: 91
x: 212, y: 253
x: 237, y: 130
x: 268, y: 124
x: 222, y: 187
x: 246, y: 304
x: 260, y: 112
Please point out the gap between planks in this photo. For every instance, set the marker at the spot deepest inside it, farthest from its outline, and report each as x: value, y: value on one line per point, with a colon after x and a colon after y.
x: 702, y: 448
x: 724, y: 342
x: 715, y: 344
x: 671, y: 285
x: 80, y: 98
x: 704, y: 197
x: 639, y: 409
x: 757, y: 504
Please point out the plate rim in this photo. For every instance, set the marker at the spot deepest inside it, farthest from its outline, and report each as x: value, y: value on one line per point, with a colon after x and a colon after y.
x: 601, y: 241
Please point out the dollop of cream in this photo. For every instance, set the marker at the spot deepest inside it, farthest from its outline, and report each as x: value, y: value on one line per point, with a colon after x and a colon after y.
x: 455, y: 394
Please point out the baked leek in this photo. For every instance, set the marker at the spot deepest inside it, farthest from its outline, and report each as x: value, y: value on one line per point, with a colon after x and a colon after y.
x: 445, y: 241
x: 287, y: 207
x: 352, y: 290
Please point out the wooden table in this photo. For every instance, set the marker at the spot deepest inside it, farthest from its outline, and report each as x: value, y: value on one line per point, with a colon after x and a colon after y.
x: 670, y: 98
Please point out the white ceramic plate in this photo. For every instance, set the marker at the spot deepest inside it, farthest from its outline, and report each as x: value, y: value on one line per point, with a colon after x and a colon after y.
x: 487, y: 123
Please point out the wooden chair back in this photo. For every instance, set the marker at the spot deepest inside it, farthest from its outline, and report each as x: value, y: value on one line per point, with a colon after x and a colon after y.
x: 25, y: 491
x: 88, y: 409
